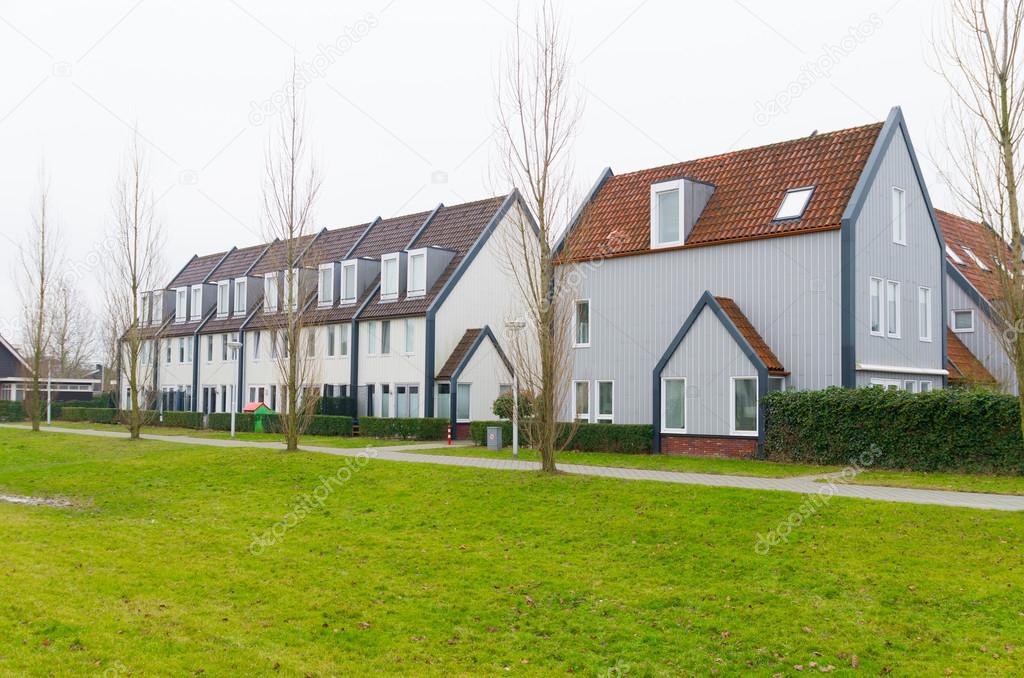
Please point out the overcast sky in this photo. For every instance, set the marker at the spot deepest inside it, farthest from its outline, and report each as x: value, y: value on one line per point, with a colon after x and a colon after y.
x: 400, y: 99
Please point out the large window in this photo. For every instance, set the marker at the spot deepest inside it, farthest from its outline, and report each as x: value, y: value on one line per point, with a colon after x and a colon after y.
x: 196, y: 312
x: 673, y: 405
x: 407, y: 401
x: 581, y: 321
x: 410, y: 335
x: 892, y: 309
x: 325, y: 285
x: 348, y: 282
x: 462, y: 403
x: 581, y: 400
x: 240, y: 297
x: 924, y: 313
x: 417, y: 275
x: 443, y: 401
x: 389, y: 277
x: 899, y: 216
x: 666, y: 228
x: 744, y: 405
x: 963, y: 321
x: 605, y: 402
x: 270, y: 291
x: 876, y: 306
x: 223, y: 298
x: 385, y: 400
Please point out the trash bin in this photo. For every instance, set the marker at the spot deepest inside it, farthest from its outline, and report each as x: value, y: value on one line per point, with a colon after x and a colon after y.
x: 494, y: 438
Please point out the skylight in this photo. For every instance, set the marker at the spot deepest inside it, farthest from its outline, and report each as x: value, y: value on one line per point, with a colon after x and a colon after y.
x: 957, y: 259
x: 975, y: 259
x: 794, y: 203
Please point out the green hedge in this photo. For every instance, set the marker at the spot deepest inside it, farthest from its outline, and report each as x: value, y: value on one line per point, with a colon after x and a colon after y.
x: 625, y: 438
x: 946, y: 430
x: 183, y: 419
x: 102, y: 401
x: 221, y: 421
x: 96, y: 415
x: 11, y: 410
x: 327, y: 425
x: 414, y: 428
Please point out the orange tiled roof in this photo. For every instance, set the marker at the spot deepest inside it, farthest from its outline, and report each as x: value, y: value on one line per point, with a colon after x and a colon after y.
x: 749, y: 187
x: 958, y: 233
x: 963, y: 367
x: 752, y: 336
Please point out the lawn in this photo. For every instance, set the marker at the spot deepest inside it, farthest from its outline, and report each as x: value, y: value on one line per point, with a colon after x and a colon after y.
x: 409, y: 569
x: 943, y: 481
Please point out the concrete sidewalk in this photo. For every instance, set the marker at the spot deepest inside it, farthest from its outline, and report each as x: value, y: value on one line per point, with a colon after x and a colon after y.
x: 800, y: 484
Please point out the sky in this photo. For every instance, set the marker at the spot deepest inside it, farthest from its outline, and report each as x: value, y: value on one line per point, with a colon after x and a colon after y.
x: 400, y: 98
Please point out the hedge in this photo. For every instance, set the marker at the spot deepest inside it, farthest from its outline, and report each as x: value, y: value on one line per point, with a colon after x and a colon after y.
x: 102, y: 401
x: 221, y: 421
x: 183, y: 419
x: 327, y: 425
x: 414, y: 428
x: 11, y: 410
x: 625, y: 438
x: 96, y: 415
x: 971, y: 431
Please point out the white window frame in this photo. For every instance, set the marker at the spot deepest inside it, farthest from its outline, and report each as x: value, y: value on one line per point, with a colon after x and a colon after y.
x: 271, y: 292
x: 732, y: 407
x: 386, y: 293
x: 410, y: 336
x: 332, y: 340
x: 779, y: 216
x: 241, y: 295
x: 604, y: 418
x: 575, y: 323
x: 975, y: 258
x: 664, y: 401
x: 372, y: 338
x: 223, y: 295
x: 893, y: 332
x: 415, y: 288
x: 887, y: 384
x: 910, y: 385
x: 344, y: 335
x: 348, y: 296
x: 458, y: 402
x: 323, y: 299
x: 957, y: 259
x: 180, y: 304
x: 143, y: 308
x: 924, y: 321
x: 899, y: 216
x: 924, y: 387
x: 294, y: 291
x: 196, y: 310
x: 385, y: 333
x: 157, y: 307
x: 952, y: 320
x: 585, y: 417
x: 257, y: 339
x: 876, y: 292
x: 656, y: 190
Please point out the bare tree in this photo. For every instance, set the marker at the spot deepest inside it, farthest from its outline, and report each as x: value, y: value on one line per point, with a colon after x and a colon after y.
x: 134, y: 267
x: 290, y: 189
x: 38, y: 261
x: 538, y: 111
x: 72, y: 338
x: 978, y: 53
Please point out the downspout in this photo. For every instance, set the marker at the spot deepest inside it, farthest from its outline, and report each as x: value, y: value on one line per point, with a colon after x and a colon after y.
x: 848, y: 367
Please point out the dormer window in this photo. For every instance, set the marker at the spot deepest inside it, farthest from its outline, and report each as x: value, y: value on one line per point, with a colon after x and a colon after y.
x: 666, y: 214
x: 223, y: 298
x: 181, y: 304
x: 197, y: 303
x: 158, y: 307
x: 325, y: 285
x: 957, y: 259
x: 976, y: 259
x: 144, y: 308
x: 293, y: 290
x: 348, y: 282
x: 417, y: 274
x: 794, y: 203
x: 240, y: 296
x: 270, y: 292
x: 389, y: 277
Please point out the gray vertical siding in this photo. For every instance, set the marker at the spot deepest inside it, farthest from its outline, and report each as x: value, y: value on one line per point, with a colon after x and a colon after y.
x: 984, y: 341
x: 918, y: 264
x: 788, y: 287
x: 708, y: 358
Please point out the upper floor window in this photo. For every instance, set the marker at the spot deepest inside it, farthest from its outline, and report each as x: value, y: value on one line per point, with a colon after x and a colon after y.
x: 270, y: 292
x: 976, y: 259
x: 417, y: 274
x: 581, y: 322
x: 899, y: 216
x: 963, y: 321
x: 371, y: 336
x: 794, y: 203
x: 348, y: 282
x: 410, y: 335
x: 240, y: 296
x: 197, y: 302
x: 144, y: 308
x: 892, y: 309
x: 223, y: 298
x: 875, y: 306
x: 385, y: 337
x: 343, y: 342
x: 666, y: 226
x: 293, y: 289
x: 389, y: 277
x: 158, y: 307
x: 325, y: 285
x: 181, y: 304
x: 924, y: 313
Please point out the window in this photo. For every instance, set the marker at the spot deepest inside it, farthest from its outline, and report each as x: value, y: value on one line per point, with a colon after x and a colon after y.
x: 143, y: 308
x: 673, y: 405
x: 407, y: 401
x: 776, y: 384
x: 325, y: 285
x: 224, y: 347
x: 233, y: 339
x: 257, y: 337
x: 209, y: 348
x: 389, y: 277
x: 887, y: 384
x: 311, y: 342
x: 167, y: 351
x: 899, y: 216
x: 417, y: 275
x: 385, y: 337
x: 504, y: 389
x: 794, y: 203
x: 443, y: 401
x: 240, y: 302
x: 293, y: 289
x: 273, y: 344
x: 410, y: 335
x: 925, y: 387
x: 666, y: 217
x: 974, y: 257
x: 876, y: 306
x: 181, y: 349
x: 181, y: 305
x: 348, y: 282
x: 270, y: 291
x: 744, y: 405
x: 963, y: 321
x: 223, y: 298
x: 892, y: 309
x: 910, y: 386
x: 924, y: 313
x: 191, y: 349
x: 462, y: 403
x: 331, y: 331
x: 581, y: 400
x: 605, y: 402
x: 581, y: 320
x: 385, y: 400
x: 371, y: 334
x: 197, y: 302
x: 957, y: 259
x: 344, y: 339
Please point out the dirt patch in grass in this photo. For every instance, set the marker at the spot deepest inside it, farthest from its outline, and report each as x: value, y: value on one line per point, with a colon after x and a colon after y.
x: 34, y: 501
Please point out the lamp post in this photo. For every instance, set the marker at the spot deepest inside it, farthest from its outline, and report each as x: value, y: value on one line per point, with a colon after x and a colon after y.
x: 49, y: 392
x: 234, y: 345
x: 514, y: 327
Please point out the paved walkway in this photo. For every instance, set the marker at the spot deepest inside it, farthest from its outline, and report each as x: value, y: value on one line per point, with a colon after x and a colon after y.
x: 800, y: 484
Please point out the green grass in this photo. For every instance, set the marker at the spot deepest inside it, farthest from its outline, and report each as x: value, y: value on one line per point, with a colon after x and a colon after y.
x: 659, y: 462
x: 410, y: 569
x: 943, y: 481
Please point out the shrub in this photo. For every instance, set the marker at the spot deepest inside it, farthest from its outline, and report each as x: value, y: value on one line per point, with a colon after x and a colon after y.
x: 96, y: 415
x: 183, y: 419
x: 414, y: 428
x: 324, y: 425
x: 102, y: 401
x: 505, y: 404
x: 11, y: 410
x: 221, y: 421
x: 946, y: 430
x: 626, y: 438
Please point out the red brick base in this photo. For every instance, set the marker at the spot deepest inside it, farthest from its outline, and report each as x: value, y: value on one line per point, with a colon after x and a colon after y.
x: 710, y: 446
x: 461, y: 432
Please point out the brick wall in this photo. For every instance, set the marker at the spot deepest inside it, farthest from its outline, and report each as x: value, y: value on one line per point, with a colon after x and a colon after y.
x: 461, y: 432
x: 709, y: 446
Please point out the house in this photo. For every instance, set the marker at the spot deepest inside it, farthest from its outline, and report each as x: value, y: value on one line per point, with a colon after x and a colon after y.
x: 976, y: 353
x: 16, y: 378
x: 699, y: 287
x: 404, y: 315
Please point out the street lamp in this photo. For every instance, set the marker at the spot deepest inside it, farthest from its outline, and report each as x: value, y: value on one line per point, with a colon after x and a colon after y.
x: 514, y: 327
x: 234, y: 345
x: 49, y: 392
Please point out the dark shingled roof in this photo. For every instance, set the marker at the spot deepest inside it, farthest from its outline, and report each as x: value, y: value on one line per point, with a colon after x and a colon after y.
x: 761, y: 348
x: 238, y: 262
x: 196, y: 270
x: 333, y: 245
x: 390, y: 235
x: 458, y: 354
x: 276, y: 257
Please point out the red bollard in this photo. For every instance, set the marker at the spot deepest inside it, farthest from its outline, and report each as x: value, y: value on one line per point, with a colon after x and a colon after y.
x: 449, y: 434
